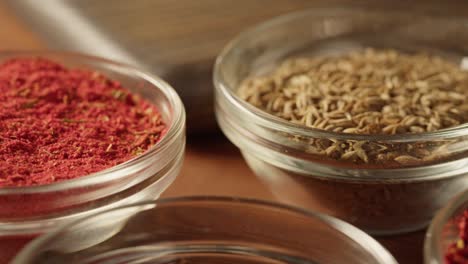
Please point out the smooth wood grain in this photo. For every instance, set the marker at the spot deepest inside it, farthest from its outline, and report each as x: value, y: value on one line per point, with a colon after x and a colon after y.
x: 14, y: 34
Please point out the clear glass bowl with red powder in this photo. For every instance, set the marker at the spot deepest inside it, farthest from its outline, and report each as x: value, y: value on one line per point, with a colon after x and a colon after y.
x: 444, y: 231
x: 382, y: 197
x: 26, y: 212
x: 206, y: 230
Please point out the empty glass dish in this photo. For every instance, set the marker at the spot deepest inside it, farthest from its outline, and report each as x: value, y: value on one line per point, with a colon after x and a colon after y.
x: 206, y: 230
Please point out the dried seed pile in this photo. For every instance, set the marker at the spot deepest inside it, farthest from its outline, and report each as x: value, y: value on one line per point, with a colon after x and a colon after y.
x: 365, y: 92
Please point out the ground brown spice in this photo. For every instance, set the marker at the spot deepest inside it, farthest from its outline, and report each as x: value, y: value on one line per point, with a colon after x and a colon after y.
x: 58, y: 123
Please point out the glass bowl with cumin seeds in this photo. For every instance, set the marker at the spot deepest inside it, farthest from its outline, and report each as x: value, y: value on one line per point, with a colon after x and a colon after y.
x: 358, y: 113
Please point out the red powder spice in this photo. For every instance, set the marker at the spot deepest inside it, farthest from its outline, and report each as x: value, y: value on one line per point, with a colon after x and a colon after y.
x: 58, y: 123
x: 11, y: 245
x: 457, y: 253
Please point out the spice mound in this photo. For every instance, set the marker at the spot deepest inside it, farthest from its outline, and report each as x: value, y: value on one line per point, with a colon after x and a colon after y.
x: 367, y: 92
x: 58, y: 124
x: 457, y: 253
x: 364, y: 92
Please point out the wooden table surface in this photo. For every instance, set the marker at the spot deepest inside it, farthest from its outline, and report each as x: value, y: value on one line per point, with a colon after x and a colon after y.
x: 212, y: 166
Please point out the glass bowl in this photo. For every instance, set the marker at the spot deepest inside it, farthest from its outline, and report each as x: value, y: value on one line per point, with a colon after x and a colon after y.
x: 443, y: 230
x: 395, y: 197
x: 206, y: 230
x: 26, y: 212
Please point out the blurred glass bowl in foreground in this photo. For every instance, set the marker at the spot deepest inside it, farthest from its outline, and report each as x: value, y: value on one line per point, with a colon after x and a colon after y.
x: 206, y: 230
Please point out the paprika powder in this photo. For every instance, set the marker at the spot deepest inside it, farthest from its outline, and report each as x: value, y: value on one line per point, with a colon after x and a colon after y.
x: 82, y: 116
x: 58, y: 123
x: 457, y: 252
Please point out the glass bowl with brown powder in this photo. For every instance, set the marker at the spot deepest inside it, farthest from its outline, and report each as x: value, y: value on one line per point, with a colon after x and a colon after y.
x: 80, y: 134
x: 358, y: 113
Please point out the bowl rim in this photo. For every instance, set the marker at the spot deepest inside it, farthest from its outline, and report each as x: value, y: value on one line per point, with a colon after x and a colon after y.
x: 261, y: 117
x: 432, y: 254
x: 176, y: 127
x: 366, y: 242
